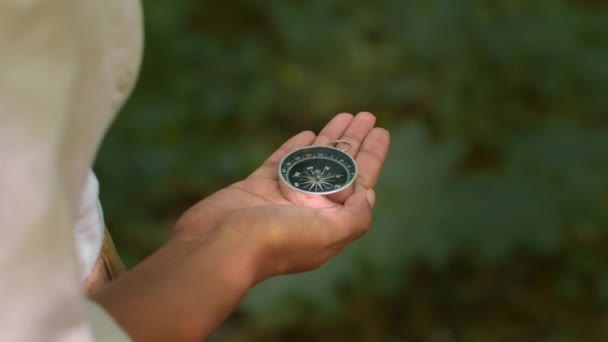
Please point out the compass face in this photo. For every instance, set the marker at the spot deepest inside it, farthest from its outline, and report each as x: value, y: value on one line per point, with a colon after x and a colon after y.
x: 319, y: 170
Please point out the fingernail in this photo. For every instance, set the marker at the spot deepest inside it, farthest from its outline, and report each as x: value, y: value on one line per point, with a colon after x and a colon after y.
x: 371, y: 197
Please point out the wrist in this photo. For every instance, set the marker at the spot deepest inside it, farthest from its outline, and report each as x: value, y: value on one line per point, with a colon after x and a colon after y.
x: 247, y: 251
x: 232, y: 260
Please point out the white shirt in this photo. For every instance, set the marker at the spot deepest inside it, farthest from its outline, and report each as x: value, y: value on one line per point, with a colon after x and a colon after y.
x: 66, y: 67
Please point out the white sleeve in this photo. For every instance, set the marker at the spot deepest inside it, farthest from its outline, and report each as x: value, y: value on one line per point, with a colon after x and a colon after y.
x: 89, y: 228
x: 40, y: 288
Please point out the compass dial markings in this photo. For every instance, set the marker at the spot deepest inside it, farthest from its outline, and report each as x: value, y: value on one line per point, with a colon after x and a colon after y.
x: 318, y: 169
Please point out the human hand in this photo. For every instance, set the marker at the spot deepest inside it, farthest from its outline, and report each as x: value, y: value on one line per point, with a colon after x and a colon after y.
x: 242, y: 235
x: 291, y: 231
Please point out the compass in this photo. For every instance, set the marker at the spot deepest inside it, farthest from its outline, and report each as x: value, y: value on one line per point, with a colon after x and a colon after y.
x: 318, y: 170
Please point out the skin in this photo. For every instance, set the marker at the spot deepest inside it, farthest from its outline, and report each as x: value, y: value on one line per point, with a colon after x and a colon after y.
x: 241, y: 235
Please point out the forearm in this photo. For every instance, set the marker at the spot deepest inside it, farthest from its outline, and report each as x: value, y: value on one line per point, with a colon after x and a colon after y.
x: 183, y: 292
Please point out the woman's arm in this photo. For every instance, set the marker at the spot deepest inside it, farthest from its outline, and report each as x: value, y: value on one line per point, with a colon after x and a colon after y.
x: 182, y: 292
x: 244, y: 234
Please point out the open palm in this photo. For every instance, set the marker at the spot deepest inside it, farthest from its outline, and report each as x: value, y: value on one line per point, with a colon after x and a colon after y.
x: 297, y: 231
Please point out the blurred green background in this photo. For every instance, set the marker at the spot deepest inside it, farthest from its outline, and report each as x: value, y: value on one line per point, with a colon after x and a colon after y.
x: 492, y: 213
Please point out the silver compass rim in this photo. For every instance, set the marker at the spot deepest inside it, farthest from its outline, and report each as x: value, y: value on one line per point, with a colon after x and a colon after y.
x: 350, y: 182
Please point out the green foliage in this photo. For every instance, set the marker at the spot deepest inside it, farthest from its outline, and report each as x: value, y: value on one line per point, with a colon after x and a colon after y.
x: 549, y: 183
x: 497, y: 110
